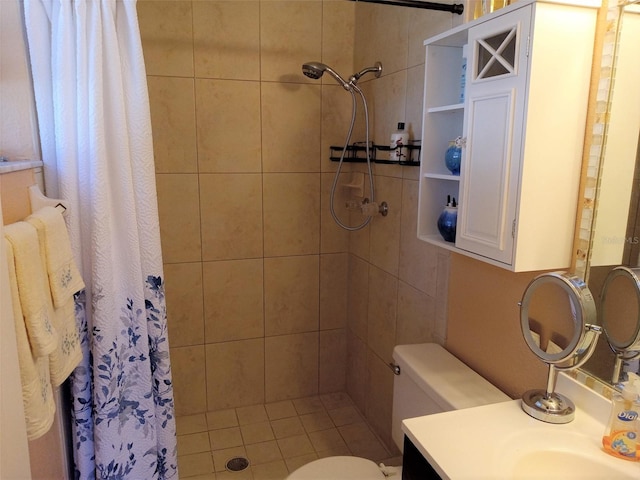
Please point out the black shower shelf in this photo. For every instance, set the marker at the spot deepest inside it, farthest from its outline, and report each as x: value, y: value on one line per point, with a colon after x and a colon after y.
x: 357, y: 153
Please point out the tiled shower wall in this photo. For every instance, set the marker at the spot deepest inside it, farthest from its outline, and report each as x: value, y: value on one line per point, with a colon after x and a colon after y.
x: 267, y: 298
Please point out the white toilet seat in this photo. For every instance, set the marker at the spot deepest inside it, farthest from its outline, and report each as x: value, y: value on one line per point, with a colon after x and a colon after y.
x: 338, y: 468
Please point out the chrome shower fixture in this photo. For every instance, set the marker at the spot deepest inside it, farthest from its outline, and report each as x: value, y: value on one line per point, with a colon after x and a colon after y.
x: 315, y: 70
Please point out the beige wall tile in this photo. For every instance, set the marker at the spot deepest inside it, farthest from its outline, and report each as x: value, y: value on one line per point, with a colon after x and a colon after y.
x: 334, y: 269
x: 337, y: 106
x: 381, y: 35
x: 390, y: 93
x: 231, y: 216
x: 358, y: 302
x: 333, y: 360
x: 357, y: 372
x: 291, y: 366
x: 418, y: 260
x: 235, y: 374
x: 334, y: 238
x: 359, y: 240
x: 221, y: 49
x: 338, y: 30
x: 442, y: 292
x: 422, y: 25
x: 413, y: 108
x: 179, y: 212
x: 228, y: 114
x: 291, y: 127
x: 383, y: 303
x: 380, y: 398
x: 183, y: 289
x: 385, y: 231
x: 291, y: 213
x: 290, y: 34
x: 167, y: 37
x: 416, y: 316
x: 189, y: 384
x: 233, y: 300
x: 291, y: 287
x: 173, y: 121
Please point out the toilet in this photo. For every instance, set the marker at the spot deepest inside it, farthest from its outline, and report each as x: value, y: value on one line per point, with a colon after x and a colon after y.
x: 431, y: 380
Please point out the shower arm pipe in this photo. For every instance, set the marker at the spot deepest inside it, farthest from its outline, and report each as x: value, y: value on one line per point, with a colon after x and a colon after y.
x: 453, y: 8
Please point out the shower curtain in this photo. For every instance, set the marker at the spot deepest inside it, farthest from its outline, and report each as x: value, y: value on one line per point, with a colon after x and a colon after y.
x: 93, y: 114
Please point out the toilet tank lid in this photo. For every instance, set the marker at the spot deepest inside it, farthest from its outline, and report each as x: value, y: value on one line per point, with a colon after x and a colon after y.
x: 444, y: 378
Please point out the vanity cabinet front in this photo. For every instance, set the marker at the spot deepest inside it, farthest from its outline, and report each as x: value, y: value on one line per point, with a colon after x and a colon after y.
x: 514, y: 86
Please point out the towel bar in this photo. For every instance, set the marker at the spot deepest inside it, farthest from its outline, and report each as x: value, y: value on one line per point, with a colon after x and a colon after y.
x: 38, y: 200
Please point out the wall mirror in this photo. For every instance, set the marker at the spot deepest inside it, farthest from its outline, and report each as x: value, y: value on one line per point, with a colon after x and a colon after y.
x: 613, y: 236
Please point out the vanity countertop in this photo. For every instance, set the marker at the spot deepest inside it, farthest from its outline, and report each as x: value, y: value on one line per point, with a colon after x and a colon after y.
x: 501, y: 441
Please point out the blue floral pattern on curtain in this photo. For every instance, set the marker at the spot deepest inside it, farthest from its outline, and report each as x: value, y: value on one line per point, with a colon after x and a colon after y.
x: 118, y: 400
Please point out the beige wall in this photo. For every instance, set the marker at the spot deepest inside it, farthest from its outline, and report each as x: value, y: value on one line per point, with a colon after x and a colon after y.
x: 256, y: 272
x: 397, y: 283
x: 267, y: 298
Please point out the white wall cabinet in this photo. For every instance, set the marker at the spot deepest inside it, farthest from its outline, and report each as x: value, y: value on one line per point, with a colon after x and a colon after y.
x: 523, y: 122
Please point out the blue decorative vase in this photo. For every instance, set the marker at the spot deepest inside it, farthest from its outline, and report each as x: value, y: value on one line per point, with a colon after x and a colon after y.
x: 453, y: 156
x: 447, y: 223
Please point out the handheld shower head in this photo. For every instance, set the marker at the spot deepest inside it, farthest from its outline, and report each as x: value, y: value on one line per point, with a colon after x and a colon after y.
x: 315, y: 70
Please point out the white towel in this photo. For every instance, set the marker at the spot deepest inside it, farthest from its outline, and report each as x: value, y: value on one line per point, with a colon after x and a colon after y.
x: 68, y: 354
x: 64, y: 277
x: 33, y: 288
x: 37, y: 394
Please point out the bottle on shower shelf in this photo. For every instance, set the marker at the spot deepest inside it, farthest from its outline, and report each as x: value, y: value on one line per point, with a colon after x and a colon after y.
x: 398, y: 144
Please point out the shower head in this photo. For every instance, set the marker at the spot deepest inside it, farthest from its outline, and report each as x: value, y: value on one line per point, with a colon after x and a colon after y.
x: 316, y: 69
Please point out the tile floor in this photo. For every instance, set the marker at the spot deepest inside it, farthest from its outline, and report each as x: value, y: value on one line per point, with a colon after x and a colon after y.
x: 277, y: 438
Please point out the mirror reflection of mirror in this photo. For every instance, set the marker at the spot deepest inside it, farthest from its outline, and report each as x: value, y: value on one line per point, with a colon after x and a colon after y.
x: 614, y: 235
x: 620, y: 316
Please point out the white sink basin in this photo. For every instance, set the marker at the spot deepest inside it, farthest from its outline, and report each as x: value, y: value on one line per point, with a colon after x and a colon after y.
x: 558, y: 454
x: 563, y: 464
x: 501, y: 441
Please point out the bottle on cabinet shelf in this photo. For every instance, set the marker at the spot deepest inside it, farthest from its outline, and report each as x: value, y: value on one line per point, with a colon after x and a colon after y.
x: 448, y: 219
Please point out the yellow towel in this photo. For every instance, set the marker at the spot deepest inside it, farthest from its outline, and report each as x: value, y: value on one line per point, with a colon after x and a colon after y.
x: 37, y: 394
x: 68, y: 354
x: 64, y: 277
x: 33, y: 288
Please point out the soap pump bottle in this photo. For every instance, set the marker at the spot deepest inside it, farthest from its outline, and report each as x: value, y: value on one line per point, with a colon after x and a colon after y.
x: 448, y: 219
x: 620, y: 438
x: 398, y: 144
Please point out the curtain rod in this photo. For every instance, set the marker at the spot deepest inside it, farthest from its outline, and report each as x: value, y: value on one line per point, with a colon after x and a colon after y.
x: 455, y: 8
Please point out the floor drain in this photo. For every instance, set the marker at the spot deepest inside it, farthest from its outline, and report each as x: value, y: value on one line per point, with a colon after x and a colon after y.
x: 237, y: 464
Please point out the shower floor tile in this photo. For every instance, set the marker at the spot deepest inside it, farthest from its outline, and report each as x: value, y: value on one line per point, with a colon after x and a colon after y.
x: 277, y: 438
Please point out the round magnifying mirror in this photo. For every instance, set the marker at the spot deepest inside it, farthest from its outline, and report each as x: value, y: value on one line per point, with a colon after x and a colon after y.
x: 554, y: 310
x: 557, y: 313
x: 620, y: 309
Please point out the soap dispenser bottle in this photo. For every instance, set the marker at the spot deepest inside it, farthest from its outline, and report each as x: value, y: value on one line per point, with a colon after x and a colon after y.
x: 621, y: 435
x: 398, y: 144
